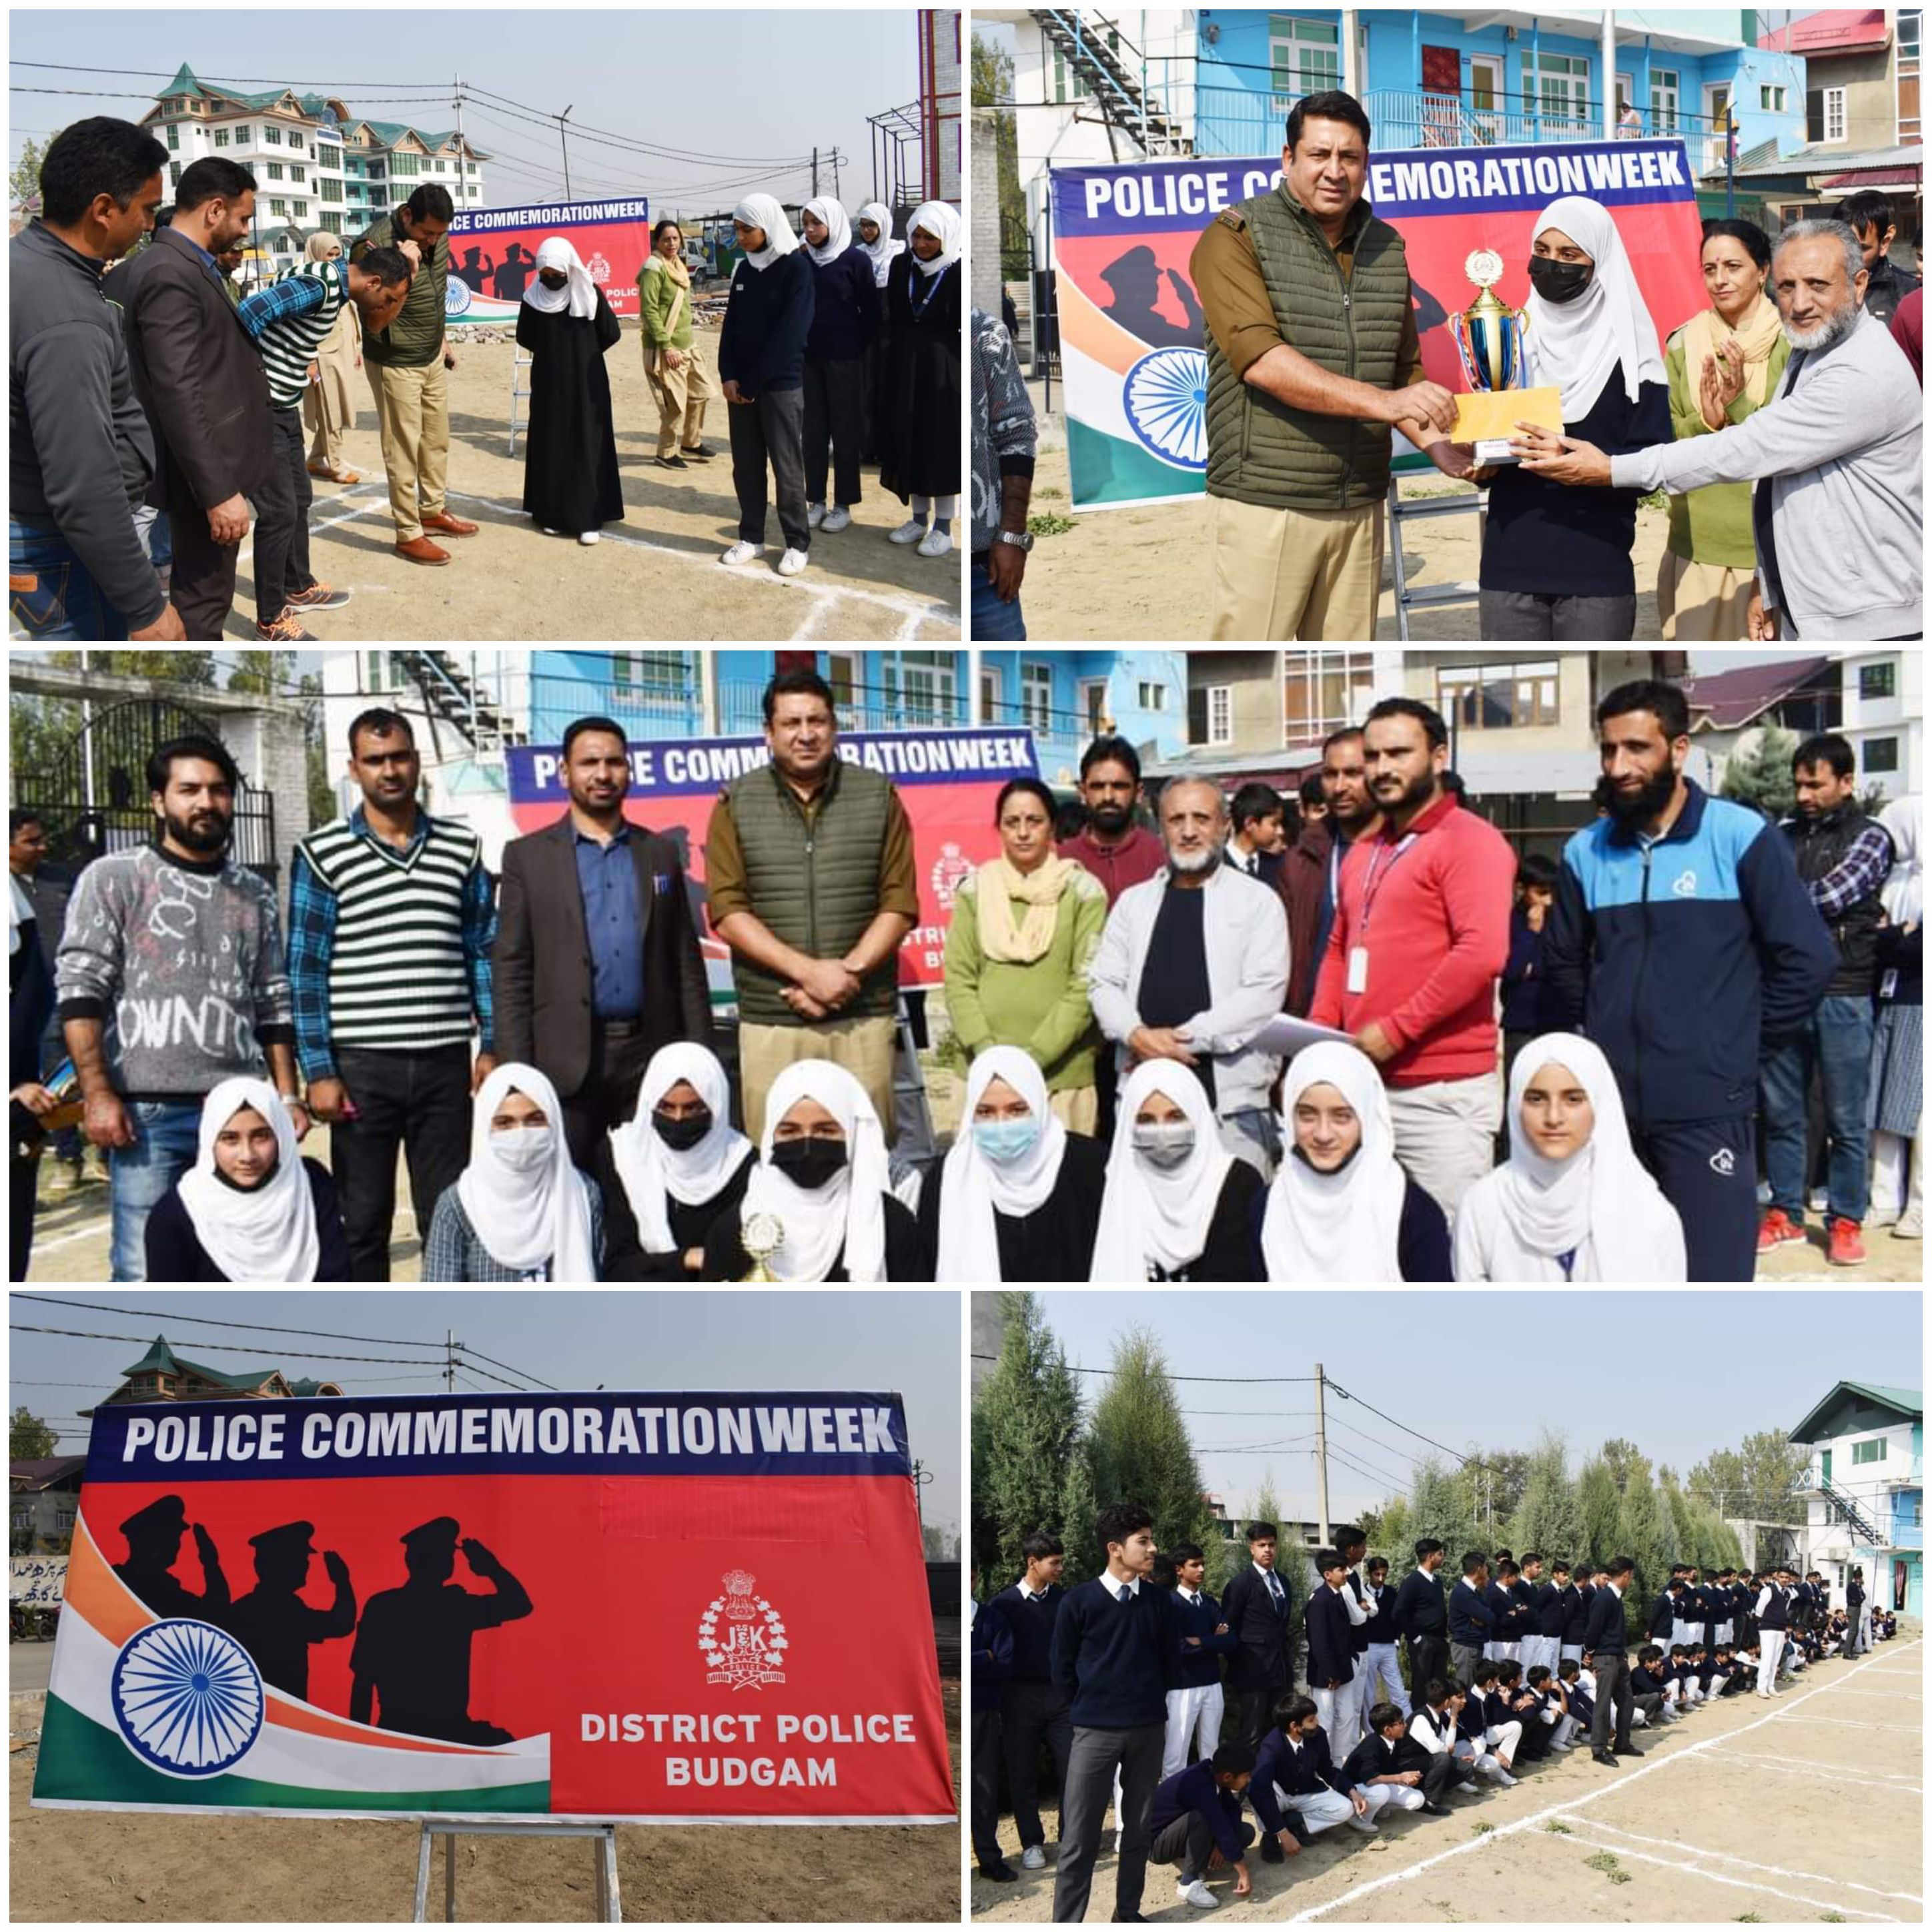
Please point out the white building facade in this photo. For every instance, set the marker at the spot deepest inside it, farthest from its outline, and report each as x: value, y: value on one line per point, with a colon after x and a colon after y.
x: 1863, y: 1491
x: 1884, y: 711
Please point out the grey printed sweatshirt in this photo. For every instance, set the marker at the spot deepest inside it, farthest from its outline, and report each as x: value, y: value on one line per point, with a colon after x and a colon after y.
x: 1005, y: 435
x: 183, y: 963
x: 1841, y: 446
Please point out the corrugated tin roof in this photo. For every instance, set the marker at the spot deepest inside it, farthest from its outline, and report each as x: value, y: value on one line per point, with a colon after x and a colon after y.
x: 1910, y: 1402
x: 1733, y: 698
x: 1859, y: 29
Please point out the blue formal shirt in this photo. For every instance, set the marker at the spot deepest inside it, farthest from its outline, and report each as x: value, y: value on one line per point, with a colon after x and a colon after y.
x: 607, y: 877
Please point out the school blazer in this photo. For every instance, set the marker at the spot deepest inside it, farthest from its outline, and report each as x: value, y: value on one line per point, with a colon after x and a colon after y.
x: 544, y: 1015
x: 1606, y: 1632
x: 1330, y: 1655
x: 1664, y: 1613
x: 1262, y: 1635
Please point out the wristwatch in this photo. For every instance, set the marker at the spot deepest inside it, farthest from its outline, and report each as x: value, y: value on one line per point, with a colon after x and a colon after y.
x: 1019, y: 539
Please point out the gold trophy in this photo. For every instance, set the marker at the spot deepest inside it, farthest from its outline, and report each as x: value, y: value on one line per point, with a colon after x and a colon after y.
x: 762, y: 1236
x: 1489, y: 339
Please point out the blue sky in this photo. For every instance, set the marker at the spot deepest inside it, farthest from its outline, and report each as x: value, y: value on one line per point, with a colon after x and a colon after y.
x: 752, y: 87
x: 722, y: 1339
x: 1678, y: 1372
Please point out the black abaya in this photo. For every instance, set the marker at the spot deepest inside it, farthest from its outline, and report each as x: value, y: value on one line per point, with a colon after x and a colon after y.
x: 920, y: 407
x: 571, y: 482
x: 1055, y: 1242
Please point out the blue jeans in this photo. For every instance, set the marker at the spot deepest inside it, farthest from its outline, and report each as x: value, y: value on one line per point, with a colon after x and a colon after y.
x: 1838, y: 1043
x: 166, y: 1138
x: 65, y: 605
x: 994, y: 622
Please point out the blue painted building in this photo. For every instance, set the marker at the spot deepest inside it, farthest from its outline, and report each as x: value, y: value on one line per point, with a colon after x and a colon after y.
x: 1489, y: 77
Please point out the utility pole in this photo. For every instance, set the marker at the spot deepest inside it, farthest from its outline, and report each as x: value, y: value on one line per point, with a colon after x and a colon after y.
x: 462, y: 160
x: 449, y: 1360
x: 835, y: 159
x: 814, y: 174
x: 564, y: 142
x: 1321, y: 1459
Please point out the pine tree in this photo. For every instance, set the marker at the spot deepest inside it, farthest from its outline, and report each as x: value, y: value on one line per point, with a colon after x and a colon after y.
x: 1078, y: 1511
x: 1684, y: 1527
x: 1759, y: 772
x: 1438, y: 1508
x: 1646, y: 1535
x: 1596, y: 1502
x: 1026, y: 1428
x: 1139, y: 1447
x: 1548, y: 1520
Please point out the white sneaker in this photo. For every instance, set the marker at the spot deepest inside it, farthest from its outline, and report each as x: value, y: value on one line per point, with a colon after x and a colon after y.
x: 1467, y: 1784
x: 740, y: 552
x: 814, y: 515
x: 1191, y: 1891
x: 1366, y: 1826
x: 1504, y: 1778
x: 936, y: 542
x: 1033, y: 1858
x: 548, y: 532
x: 588, y: 536
x: 1910, y: 1225
x: 793, y: 562
x: 911, y: 531
x: 836, y: 519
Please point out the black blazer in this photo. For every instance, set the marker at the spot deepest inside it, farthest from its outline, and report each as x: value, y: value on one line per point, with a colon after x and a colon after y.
x: 1606, y: 1631
x: 1331, y: 1662
x: 542, y: 958
x: 198, y: 376
x: 1263, y: 1637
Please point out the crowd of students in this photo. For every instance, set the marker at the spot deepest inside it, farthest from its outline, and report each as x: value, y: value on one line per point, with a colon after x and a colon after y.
x: 1412, y: 1692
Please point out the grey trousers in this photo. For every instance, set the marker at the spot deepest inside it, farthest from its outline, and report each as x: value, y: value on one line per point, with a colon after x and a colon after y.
x: 1090, y: 1787
x: 1428, y: 1657
x: 1533, y: 617
x: 1463, y: 1658
x: 1029, y: 1713
x: 1188, y: 1842
x: 1613, y: 1687
x: 770, y: 429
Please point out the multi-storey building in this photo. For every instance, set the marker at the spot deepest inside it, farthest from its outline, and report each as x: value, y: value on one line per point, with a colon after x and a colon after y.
x: 1864, y: 1491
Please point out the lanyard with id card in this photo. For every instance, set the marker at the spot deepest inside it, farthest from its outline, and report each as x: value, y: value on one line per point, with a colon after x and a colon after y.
x: 1358, y: 954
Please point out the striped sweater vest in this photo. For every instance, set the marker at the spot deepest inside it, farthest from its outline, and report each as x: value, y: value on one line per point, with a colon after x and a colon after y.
x: 288, y: 346
x: 397, y: 978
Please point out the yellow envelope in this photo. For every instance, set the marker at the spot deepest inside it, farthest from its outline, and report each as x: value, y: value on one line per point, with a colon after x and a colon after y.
x: 1486, y: 414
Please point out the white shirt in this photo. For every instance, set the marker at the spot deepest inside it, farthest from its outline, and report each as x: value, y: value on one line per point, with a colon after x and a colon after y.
x: 1026, y: 1590
x: 1182, y: 1590
x: 1113, y: 1583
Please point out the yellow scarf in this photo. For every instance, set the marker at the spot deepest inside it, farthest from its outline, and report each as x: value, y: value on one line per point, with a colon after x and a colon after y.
x: 1020, y: 943
x: 1757, y: 333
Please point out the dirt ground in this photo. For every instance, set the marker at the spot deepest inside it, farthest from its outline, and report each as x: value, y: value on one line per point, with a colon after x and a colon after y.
x: 1136, y: 576
x: 1807, y: 1808
x: 656, y: 574
x: 136, y: 1866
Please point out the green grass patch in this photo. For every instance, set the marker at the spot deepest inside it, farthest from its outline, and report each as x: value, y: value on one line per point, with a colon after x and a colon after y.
x: 1049, y: 490
x: 1557, y: 1824
x: 1480, y: 1830
x: 1049, y: 523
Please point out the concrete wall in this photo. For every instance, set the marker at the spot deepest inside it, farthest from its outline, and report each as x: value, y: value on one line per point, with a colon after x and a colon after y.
x: 1871, y: 99
x: 983, y: 259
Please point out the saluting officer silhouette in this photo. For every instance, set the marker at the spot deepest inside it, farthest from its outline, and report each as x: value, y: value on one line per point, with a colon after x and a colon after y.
x: 272, y: 1624
x: 411, y: 1662
x: 154, y: 1545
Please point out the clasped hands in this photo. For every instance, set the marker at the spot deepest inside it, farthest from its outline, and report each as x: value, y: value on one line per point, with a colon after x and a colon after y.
x: 822, y: 988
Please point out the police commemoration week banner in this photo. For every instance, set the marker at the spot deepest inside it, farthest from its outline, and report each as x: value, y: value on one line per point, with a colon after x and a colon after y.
x: 1130, y: 325
x: 493, y: 253
x: 660, y: 1608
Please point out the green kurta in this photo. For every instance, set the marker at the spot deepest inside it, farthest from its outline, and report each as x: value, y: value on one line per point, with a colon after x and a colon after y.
x: 1713, y: 525
x: 658, y: 291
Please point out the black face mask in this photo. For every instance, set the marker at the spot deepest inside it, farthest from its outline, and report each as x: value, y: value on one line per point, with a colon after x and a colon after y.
x: 1558, y: 281
x: 684, y: 1135
x: 807, y: 1163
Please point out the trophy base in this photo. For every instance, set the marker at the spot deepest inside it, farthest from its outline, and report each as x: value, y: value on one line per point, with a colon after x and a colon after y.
x: 1493, y: 449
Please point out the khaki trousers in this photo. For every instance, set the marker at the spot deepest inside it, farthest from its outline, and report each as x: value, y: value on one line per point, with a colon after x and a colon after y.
x: 681, y: 394
x: 1703, y: 603
x: 412, y: 414
x: 1445, y: 1135
x: 1289, y: 574
x: 863, y: 1047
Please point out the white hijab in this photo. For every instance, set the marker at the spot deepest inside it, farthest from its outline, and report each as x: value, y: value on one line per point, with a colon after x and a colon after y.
x: 651, y: 1170
x: 527, y: 1215
x: 976, y: 1189
x: 578, y: 294
x: 940, y: 219
x: 1576, y: 345
x: 1600, y: 1202
x: 838, y: 230
x: 267, y: 1233
x: 762, y: 210
x: 849, y: 1211
x: 882, y: 251
x: 19, y: 912
x: 1158, y: 1214
x: 1901, y: 892
x: 1343, y: 1226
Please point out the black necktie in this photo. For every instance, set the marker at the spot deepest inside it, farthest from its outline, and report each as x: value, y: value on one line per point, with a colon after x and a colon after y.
x: 1761, y: 528
x: 1126, y: 1593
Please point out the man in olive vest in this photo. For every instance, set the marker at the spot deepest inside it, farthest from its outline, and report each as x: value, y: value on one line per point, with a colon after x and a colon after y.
x: 407, y: 363
x: 1312, y: 354
x: 808, y: 868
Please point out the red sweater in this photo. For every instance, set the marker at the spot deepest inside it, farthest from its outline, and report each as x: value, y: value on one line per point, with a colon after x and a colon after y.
x: 1437, y: 937
x: 1137, y: 857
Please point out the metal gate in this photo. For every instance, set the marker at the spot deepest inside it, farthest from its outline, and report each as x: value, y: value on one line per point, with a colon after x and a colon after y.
x: 93, y: 799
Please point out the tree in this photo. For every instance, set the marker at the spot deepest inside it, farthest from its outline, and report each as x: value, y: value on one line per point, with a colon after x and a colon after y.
x: 1758, y: 773
x: 1685, y: 1526
x: 24, y: 182
x: 1756, y: 1483
x: 29, y: 1439
x: 1548, y: 1520
x: 1439, y: 1509
x: 1078, y: 1509
x: 993, y: 84
x: 1390, y: 1533
x: 942, y: 1543
x: 1645, y: 1534
x: 1621, y: 1457
x: 1597, y: 1501
x: 1140, y: 1451
x: 190, y: 667
x: 1026, y: 1428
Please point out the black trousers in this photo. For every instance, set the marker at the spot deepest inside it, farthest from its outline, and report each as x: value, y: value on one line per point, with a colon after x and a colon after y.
x: 1428, y: 1658
x: 1613, y: 1700
x: 25, y: 1179
x: 1436, y: 1773
x: 620, y: 1050
x: 201, y: 585
x: 985, y: 1797
x: 418, y: 1102
x: 281, y: 529
x: 1707, y: 1171
x: 1188, y: 1842
x: 1254, y: 1713
x: 770, y: 430
x: 1032, y: 1715
x: 835, y: 415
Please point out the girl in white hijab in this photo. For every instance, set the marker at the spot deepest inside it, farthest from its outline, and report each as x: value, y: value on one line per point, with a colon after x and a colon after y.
x: 882, y: 247
x: 577, y: 292
x: 1178, y: 1205
x: 920, y: 458
x: 328, y: 403
x: 762, y: 210
x: 1578, y: 336
x: 1335, y: 1209
x: 1898, y: 1048
x: 831, y: 215
x: 825, y: 1192
x: 1012, y: 1160
x: 880, y: 252
x: 519, y: 1211
x: 251, y: 1209
x: 673, y: 1174
x: 845, y: 313
x: 1573, y: 1202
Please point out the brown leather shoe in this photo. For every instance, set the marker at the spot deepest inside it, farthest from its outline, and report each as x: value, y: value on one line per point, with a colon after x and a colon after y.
x: 450, y: 526
x: 420, y: 549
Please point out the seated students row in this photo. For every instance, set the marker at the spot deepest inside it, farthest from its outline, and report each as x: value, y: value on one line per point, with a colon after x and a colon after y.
x: 1019, y: 1197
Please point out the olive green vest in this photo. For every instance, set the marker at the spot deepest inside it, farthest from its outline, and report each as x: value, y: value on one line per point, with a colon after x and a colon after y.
x: 1261, y: 451
x: 411, y: 341
x: 814, y: 882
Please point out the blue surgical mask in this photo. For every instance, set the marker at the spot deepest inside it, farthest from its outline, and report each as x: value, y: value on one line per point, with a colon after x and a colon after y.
x: 1005, y: 1140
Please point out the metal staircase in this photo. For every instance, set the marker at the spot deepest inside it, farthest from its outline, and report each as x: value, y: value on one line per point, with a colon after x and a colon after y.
x: 1842, y: 1505
x: 458, y: 698
x: 1093, y: 48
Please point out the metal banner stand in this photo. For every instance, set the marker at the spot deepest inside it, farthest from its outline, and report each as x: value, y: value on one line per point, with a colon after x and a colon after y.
x: 1409, y: 598
x: 603, y: 1853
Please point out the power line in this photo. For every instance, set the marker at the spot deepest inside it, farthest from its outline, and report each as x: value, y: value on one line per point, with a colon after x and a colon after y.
x: 614, y: 139
x: 220, y: 79
x: 222, y: 1322
x: 1074, y: 1368
x: 464, y: 1348
x: 1468, y: 1462
x: 225, y: 1347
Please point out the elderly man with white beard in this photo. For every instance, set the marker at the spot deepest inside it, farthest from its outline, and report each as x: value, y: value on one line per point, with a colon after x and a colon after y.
x: 1192, y: 963
x: 1834, y: 455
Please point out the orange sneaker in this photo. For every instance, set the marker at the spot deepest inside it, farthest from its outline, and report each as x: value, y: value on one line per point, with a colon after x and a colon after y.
x: 1848, y: 1248
x: 1775, y: 1229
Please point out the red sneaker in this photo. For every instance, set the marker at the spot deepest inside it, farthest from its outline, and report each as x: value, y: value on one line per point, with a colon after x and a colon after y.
x: 1775, y: 1229
x: 1848, y: 1248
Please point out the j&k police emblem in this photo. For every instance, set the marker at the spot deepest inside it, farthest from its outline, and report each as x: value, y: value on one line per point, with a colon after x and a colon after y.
x: 751, y: 1645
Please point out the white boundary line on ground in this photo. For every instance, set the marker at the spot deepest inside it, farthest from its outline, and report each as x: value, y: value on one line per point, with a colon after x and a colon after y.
x: 1890, y: 1696
x: 1756, y: 1864
x: 246, y: 553
x: 1536, y: 1818
x: 1805, y: 1767
x: 1848, y: 1723
x: 1698, y: 1871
